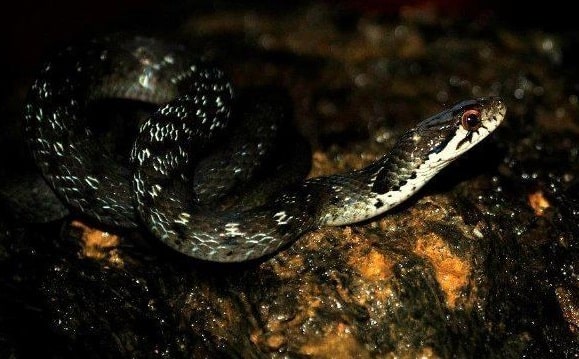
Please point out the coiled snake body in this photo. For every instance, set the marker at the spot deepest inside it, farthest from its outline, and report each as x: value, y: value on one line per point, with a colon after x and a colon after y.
x: 195, y: 106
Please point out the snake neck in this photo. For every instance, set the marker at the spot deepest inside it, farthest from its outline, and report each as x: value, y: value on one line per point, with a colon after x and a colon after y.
x: 387, y: 182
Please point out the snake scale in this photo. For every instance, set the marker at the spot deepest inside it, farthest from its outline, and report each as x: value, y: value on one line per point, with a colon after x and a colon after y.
x: 195, y: 103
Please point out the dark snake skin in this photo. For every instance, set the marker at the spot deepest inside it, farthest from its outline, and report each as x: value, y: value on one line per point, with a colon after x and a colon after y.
x: 161, y: 189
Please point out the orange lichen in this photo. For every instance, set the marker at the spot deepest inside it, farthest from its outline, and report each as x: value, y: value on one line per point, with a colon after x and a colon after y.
x: 337, y: 342
x: 452, y: 272
x: 538, y: 202
x: 289, y: 268
x: 99, y: 245
x: 276, y: 341
x: 373, y: 266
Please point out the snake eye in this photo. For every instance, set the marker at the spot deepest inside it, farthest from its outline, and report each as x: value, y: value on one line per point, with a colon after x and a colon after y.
x: 470, y: 120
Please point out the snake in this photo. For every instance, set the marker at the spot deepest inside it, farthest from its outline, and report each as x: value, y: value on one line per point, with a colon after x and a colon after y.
x: 194, y: 104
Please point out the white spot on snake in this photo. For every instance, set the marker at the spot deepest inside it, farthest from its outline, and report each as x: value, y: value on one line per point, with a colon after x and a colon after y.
x: 145, y: 80
x: 282, y: 218
x: 232, y: 230
x: 183, y: 218
x: 143, y: 155
x: 42, y: 142
x: 155, y: 190
x: 373, y: 179
x: 68, y: 179
x: 158, y: 223
x: 169, y: 59
x: 337, y: 188
x: 92, y: 182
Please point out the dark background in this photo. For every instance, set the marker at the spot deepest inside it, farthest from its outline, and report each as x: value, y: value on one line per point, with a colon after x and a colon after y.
x: 27, y: 28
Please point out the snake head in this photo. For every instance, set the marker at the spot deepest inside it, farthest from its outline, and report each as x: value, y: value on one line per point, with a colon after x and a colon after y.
x: 447, y: 135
